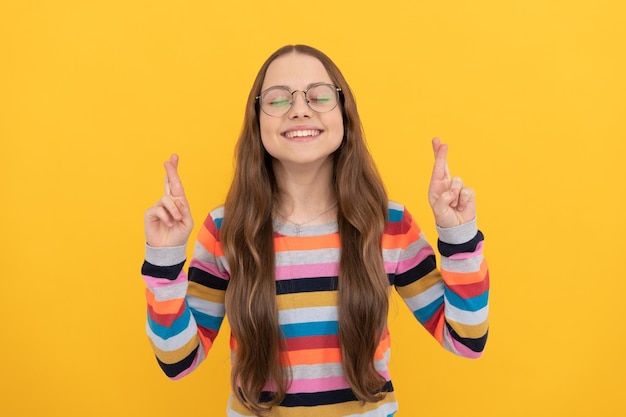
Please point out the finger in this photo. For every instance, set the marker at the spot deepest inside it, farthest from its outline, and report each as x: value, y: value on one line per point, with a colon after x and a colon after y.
x: 455, y: 186
x: 165, y: 216
x: 169, y: 204
x: 466, y: 196
x: 184, y: 210
x: 440, y: 168
x: 436, y: 142
x: 173, y: 184
x: 165, y: 210
x: 173, y: 161
x: 159, y: 214
x: 442, y: 209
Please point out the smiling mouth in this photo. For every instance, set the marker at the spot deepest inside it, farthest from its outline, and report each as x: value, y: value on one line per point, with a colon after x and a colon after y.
x: 292, y: 134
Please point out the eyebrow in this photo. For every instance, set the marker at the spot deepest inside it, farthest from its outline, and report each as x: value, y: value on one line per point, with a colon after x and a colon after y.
x: 290, y: 89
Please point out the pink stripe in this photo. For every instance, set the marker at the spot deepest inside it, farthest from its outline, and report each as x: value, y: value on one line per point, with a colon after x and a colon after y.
x: 322, y: 384
x: 209, y: 268
x: 318, y: 385
x: 307, y: 271
x: 467, y: 255
x: 407, y: 264
x: 460, y: 348
x: 162, y: 282
x: 189, y: 370
x: 465, y: 351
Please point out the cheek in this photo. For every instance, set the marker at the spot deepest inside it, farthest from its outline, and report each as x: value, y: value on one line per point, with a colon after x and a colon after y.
x: 337, y: 127
x: 266, y: 129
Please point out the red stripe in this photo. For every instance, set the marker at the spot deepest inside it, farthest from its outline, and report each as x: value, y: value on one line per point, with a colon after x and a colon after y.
x: 312, y: 342
x: 165, y: 320
x: 471, y: 290
x: 431, y: 324
x: 209, y: 224
x: 207, y: 333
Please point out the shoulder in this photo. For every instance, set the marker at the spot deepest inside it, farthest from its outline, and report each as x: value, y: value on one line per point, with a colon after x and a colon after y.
x: 400, y: 221
x: 398, y: 213
x: 395, y: 211
x: 212, y: 223
x: 216, y: 216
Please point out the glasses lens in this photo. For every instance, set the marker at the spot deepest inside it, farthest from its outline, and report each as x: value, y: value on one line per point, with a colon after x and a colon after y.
x: 322, y: 97
x: 276, y: 101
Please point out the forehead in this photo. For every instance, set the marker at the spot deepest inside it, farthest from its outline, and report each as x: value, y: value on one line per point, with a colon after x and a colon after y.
x: 296, y: 71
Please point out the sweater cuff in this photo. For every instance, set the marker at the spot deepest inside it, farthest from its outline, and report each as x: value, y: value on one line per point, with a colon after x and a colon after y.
x: 458, y: 234
x: 167, y: 256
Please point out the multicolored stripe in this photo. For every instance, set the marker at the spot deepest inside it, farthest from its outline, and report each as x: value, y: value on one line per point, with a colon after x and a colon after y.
x: 185, y: 313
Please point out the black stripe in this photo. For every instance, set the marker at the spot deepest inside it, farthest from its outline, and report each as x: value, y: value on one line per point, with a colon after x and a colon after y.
x: 306, y: 399
x: 208, y: 280
x: 173, y: 369
x: 476, y: 345
x: 169, y: 272
x: 417, y: 272
x: 447, y: 249
x: 391, y: 278
x: 298, y: 285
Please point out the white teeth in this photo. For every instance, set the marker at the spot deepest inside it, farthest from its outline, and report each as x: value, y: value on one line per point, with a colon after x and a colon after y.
x: 301, y: 133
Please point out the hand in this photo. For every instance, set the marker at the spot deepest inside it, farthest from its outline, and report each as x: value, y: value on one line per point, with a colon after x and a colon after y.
x: 169, y: 221
x: 452, y: 203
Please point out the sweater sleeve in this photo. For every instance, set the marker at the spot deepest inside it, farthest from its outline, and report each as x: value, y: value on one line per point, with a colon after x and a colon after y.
x: 185, y: 311
x: 451, y: 303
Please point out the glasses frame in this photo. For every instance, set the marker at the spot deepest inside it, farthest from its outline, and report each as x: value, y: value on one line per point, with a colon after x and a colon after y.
x: 306, y: 99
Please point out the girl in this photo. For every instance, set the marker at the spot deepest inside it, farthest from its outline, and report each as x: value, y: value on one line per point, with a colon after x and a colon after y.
x: 303, y: 254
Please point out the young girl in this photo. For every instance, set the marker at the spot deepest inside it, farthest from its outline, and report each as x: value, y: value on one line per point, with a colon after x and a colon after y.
x: 303, y: 255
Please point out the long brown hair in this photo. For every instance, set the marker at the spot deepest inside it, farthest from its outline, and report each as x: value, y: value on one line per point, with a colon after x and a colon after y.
x: 247, y: 237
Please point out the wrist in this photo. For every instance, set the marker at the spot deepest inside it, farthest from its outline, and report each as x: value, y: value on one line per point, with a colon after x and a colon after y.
x: 458, y: 234
x: 165, y: 256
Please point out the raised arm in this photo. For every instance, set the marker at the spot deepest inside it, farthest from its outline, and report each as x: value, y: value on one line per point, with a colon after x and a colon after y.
x: 463, y: 322
x: 451, y: 302
x: 181, y: 322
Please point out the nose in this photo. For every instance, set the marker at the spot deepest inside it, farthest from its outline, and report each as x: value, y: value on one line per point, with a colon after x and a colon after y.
x: 299, y: 108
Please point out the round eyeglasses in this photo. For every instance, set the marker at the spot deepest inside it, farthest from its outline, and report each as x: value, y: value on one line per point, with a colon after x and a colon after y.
x: 320, y: 97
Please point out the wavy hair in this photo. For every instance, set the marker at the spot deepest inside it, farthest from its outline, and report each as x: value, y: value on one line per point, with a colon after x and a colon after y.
x: 247, y: 237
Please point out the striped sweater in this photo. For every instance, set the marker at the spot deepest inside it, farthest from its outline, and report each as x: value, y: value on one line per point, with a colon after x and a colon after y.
x: 185, y: 311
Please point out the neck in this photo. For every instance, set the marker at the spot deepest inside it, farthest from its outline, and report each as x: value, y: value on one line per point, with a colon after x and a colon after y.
x: 306, y: 192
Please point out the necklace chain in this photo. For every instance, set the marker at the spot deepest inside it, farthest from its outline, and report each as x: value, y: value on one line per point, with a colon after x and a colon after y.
x: 298, y: 225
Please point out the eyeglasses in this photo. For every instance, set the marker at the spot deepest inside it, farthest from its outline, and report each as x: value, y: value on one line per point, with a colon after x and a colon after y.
x: 320, y: 97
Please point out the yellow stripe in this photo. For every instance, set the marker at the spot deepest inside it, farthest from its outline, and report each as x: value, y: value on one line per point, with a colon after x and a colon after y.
x: 206, y: 293
x: 471, y: 332
x: 421, y: 285
x: 177, y: 355
x: 307, y: 299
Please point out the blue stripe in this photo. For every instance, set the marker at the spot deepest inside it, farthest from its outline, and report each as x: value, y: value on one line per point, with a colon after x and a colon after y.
x: 208, y: 321
x: 179, y: 325
x: 318, y: 328
x: 395, y: 215
x: 467, y: 304
x: 218, y: 223
x: 425, y: 313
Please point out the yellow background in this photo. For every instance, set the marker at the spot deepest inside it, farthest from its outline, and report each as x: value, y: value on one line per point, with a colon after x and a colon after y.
x: 529, y: 94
